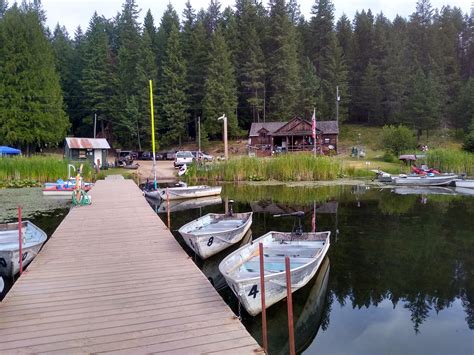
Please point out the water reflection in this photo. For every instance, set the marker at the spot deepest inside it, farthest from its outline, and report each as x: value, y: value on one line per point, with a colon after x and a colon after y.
x: 398, y: 260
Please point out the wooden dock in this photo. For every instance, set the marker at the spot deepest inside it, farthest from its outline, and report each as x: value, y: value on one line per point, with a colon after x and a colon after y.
x: 112, y: 278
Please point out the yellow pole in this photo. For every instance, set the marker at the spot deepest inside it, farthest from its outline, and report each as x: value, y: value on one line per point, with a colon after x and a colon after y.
x: 153, y: 133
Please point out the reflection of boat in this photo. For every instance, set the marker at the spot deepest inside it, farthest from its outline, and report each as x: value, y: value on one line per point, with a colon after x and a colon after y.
x: 464, y: 190
x: 214, y: 232
x: 60, y: 191
x: 242, y: 271
x: 464, y: 183
x: 181, y: 205
x: 427, y: 190
x: 210, y: 266
x: 33, y: 239
x: 424, y: 180
x: 308, y: 305
x: 183, y: 192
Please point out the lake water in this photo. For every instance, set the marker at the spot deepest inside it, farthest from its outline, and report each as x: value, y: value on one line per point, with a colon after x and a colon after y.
x: 398, y: 279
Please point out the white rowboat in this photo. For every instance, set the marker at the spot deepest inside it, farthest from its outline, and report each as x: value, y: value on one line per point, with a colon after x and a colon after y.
x: 241, y: 269
x: 212, y: 233
x: 32, y: 240
x: 182, y: 205
x: 183, y: 192
x: 464, y: 183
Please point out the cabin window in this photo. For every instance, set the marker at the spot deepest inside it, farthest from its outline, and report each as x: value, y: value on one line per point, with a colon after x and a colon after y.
x: 326, y: 140
x: 82, y: 154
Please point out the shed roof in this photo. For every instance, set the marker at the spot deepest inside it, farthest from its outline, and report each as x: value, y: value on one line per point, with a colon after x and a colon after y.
x: 87, y: 143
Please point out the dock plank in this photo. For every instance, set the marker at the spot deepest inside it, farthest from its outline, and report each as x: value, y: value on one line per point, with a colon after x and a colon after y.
x: 112, y: 278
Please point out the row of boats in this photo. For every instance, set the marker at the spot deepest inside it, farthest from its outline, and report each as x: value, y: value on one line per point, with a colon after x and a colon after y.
x: 429, y: 179
x: 214, y: 232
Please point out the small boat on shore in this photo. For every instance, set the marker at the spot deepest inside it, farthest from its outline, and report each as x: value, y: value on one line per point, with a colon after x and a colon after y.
x: 424, y: 180
x: 212, y: 233
x: 65, y: 183
x: 62, y: 191
x: 32, y: 240
x: 241, y: 268
x: 183, y: 192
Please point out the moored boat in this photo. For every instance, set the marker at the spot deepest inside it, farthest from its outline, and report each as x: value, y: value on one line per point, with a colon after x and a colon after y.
x: 212, y: 233
x: 464, y: 183
x: 424, y: 180
x: 241, y: 268
x: 32, y: 240
x: 182, y: 205
x: 183, y: 192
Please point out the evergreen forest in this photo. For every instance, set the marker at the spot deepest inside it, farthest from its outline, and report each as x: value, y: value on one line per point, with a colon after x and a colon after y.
x: 253, y: 61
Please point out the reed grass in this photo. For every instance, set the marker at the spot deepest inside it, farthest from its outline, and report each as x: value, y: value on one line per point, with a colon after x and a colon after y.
x: 38, y: 168
x: 290, y: 167
x: 451, y: 160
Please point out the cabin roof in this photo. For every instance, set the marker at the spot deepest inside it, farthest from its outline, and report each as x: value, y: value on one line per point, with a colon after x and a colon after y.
x: 326, y: 127
x: 87, y: 143
x: 269, y: 126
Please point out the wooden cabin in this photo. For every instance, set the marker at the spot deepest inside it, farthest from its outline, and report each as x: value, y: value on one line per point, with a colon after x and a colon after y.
x: 293, y: 136
x: 92, y: 150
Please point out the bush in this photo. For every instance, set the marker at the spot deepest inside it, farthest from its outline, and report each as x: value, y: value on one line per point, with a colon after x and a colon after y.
x: 397, y: 139
x: 469, y: 140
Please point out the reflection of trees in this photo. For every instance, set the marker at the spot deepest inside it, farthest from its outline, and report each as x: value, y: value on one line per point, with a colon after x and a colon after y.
x: 397, y: 204
x: 419, y: 257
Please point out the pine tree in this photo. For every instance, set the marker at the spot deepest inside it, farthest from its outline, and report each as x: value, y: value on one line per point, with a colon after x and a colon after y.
x: 174, y: 108
x: 423, y: 105
x: 283, y: 64
x: 371, y: 94
x: 311, y: 93
x: 169, y: 20
x: 31, y: 102
x: 321, y: 27
x: 220, y: 90
x: 3, y: 7
x: 344, y: 36
x: 212, y: 16
x: 76, y: 107
x: 99, y: 79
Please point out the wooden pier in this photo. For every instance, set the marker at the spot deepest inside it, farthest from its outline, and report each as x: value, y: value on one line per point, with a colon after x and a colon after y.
x: 112, y: 278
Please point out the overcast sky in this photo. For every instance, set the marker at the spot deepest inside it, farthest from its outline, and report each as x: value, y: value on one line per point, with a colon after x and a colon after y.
x: 72, y: 13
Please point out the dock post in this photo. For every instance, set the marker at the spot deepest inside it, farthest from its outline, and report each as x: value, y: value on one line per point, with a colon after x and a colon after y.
x: 262, y: 298
x: 20, y: 241
x: 291, y: 332
x: 168, y: 208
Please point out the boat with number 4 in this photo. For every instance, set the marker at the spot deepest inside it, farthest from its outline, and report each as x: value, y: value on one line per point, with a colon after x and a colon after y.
x: 183, y: 192
x: 241, y: 269
x: 212, y: 233
x: 32, y: 240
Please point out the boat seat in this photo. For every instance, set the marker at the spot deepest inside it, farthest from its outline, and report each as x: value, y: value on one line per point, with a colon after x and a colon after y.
x: 273, y: 264
x: 292, y: 252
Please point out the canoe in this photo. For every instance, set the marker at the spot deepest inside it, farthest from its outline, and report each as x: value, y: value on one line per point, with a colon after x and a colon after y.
x: 214, y: 232
x: 182, y: 205
x: 65, y: 184
x: 183, y: 192
x: 424, y: 180
x: 464, y: 183
x: 241, y: 269
x: 33, y: 239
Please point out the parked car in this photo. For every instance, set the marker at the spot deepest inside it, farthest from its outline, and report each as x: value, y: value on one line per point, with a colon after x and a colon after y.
x: 203, y: 156
x: 124, y: 157
x: 147, y: 156
x: 183, y: 157
x: 170, y: 156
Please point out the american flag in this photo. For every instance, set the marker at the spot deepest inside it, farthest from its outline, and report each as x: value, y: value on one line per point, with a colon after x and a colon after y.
x: 313, y: 219
x: 313, y: 124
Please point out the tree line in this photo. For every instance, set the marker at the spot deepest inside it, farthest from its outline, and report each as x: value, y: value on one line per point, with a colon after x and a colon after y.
x: 252, y: 62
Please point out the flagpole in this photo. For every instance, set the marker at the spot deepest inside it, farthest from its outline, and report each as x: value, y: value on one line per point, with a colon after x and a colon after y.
x: 153, y: 134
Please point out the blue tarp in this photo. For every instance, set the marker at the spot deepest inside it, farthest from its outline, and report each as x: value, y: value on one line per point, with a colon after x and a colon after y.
x: 9, y: 151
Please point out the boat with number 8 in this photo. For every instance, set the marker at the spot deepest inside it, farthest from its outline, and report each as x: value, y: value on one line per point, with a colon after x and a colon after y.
x: 241, y: 269
x: 32, y: 240
x: 214, y: 232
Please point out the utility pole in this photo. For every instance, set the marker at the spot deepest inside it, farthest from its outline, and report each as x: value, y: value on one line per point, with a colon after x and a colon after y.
x: 338, y: 98
x: 226, y: 151
x: 95, y: 123
x: 199, y: 135
x: 264, y: 96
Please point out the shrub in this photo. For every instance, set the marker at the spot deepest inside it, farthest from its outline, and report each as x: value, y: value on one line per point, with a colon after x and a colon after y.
x: 469, y: 139
x: 396, y: 139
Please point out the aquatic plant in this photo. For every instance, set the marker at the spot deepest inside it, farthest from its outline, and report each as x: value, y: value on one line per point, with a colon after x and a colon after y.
x: 38, y: 168
x: 451, y: 160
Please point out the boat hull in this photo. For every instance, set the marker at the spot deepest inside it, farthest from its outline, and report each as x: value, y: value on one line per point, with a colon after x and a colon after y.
x: 178, y: 193
x: 424, y: 180
x: 66, y: 192
x: 247, y: 289
x: 464, y: 183
x: 211, y: 242
x: 33, y: 240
